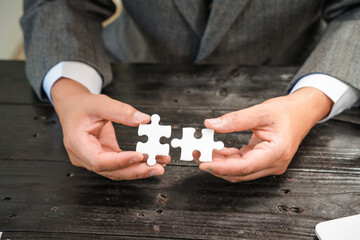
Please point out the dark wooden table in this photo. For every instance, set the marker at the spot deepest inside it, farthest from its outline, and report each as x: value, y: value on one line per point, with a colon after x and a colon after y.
x: 43, y: 196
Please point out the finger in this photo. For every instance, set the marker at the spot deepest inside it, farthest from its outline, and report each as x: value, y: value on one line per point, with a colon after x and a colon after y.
x: 107, y: 161
x: 159, y: 159
x: 223, y: 158
x: 118, y: 112
x: 239, y: 121
x: 227, y: 151
x: 254, y: 140
x: 250, y: 177
x: 252, y: 143
x: 196, y: 156
x: 245, y: 149
x: 135, y: 171
x: 218, y: 155
x: 88, y: 148
x: 261, y: 157
x: 77, y: 162
x: 108, y: 139
x: 163, y: 159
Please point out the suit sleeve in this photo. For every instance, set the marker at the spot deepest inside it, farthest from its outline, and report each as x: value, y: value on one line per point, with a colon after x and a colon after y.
x: 64, y: 30
x: 338, y: 52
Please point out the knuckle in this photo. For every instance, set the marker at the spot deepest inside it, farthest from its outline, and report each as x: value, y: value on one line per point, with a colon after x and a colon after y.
x: 247, y: 170
x: 96, y: 166
x: 220, y: 172
x: 233, y: 180
x: 283, y: 162
x: 139, y: 176
x: 112, y: 176
x: 287, y: 155
x: 235, y: 116
x: 74, y: 162
x: 280, y: 171
x: 67, y: 143
x: 102, y: 97
x: 115, y: 178
x: 125, y: 109
x: 122, y: 165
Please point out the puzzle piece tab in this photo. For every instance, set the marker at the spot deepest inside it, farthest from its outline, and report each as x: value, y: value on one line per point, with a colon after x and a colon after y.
x: 189, y: 143
x: 154, y: 132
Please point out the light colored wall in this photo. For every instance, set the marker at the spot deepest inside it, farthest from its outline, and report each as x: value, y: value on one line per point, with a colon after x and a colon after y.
x: 11, y: 41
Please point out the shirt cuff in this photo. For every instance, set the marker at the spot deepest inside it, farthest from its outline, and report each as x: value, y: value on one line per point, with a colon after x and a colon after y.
x: 77, y: 71
x: 343, y: 95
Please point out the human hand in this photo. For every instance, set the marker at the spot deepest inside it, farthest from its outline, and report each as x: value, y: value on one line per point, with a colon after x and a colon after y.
x: 89, y: 135
x: 278, y: 125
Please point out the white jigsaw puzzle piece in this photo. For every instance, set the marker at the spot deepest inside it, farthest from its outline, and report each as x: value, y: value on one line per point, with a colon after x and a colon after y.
x: 154, y: 132
x: 205, y: 145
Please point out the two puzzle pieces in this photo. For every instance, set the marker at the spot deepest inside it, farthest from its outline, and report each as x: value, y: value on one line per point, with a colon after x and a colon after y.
x: 154, y: 131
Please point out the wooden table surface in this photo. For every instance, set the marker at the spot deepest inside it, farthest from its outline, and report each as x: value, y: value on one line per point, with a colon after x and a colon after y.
x: 43, y: 196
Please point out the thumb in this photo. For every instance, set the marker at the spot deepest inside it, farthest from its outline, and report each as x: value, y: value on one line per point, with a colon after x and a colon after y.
x: 116, y: 111
x: 241, y: 120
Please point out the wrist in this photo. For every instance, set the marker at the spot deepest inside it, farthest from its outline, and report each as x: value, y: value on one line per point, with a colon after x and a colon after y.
x: 64, y: 91
x: 312, y: 103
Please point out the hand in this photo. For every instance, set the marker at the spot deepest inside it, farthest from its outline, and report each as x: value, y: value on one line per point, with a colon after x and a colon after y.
x: 278, y: 125
x: 89, y: 135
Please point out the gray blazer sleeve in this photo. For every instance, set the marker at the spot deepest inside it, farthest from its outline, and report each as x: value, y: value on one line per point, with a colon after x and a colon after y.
x: 64, y: 30
x: 338, y: 52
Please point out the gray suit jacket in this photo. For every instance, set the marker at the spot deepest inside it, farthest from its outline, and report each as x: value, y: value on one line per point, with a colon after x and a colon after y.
x: 323, y: 35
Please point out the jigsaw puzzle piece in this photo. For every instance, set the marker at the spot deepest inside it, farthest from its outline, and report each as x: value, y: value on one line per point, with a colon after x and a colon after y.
x: 154, y: 132
x: 145, y: 148
x: 205, y: 145
x: 187, y: 144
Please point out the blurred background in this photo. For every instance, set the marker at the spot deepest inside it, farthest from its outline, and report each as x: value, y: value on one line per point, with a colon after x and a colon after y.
x: 11, y: 39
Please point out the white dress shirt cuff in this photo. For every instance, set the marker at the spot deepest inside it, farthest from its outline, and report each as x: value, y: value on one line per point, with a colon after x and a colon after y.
x: 343, y: 95
x: 77, y: 71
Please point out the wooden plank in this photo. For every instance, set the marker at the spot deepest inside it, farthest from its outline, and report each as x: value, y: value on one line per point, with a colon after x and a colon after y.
x: 185, y: 203
x: 14, y: 87
x: 35, y: 134
x: 67, y: 236
x: 43, y: 196
x: 174, y: 86
x: 170, y: 85
x: 220, y: 87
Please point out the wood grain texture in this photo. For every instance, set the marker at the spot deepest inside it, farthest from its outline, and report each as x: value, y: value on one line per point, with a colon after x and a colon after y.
x: 42, y: 196
x: 184, y: 203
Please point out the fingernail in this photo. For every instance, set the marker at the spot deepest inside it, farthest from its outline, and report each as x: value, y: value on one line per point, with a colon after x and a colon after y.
x: 140, y: 117
x: 214, y: 121
x: 153, y: 173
